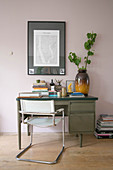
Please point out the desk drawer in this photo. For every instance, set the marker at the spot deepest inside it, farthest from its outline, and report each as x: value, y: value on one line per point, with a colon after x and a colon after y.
x: 81, y: 107
x: 82, y: 123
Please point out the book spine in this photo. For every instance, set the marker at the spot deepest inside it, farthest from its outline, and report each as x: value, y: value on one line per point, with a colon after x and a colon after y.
x: 101, y: 136
x: 39, y: 90
x: 53, y: 95
x: 39, y: 84
x: 28, y: 95
x: 42, y: 86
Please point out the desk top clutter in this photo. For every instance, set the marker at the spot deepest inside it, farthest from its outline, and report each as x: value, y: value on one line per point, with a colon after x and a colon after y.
x: 42, y: 89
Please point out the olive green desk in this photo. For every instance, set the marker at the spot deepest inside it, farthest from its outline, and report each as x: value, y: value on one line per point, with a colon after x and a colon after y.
x: 80, y: 112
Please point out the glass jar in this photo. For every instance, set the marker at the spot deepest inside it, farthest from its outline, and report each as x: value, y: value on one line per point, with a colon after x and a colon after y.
x: 82, y: 82
x: 64, y: 92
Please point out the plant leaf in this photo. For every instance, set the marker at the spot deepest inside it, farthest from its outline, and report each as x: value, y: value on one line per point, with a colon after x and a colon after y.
x: 74, y: 55
x: 90, y: 53
x: 87, y: 46
x: 94, y: 35
x: 70, y: 58
x: 88, y: 35
x: 77, y: 61
x: 88, y: 61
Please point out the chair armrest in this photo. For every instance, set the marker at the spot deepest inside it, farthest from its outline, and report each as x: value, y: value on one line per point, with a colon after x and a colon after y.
x: 38, y: 113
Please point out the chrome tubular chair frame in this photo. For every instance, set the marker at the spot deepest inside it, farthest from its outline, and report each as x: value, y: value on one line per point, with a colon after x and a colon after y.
x: 30, y: 145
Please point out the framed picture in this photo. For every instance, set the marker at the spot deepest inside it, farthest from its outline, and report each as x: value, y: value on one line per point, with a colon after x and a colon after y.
x: 46, y: 48
x: 70, y: 86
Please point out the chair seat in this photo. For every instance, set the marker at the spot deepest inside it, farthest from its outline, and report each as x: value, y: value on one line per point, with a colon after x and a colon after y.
x: 43, y: 122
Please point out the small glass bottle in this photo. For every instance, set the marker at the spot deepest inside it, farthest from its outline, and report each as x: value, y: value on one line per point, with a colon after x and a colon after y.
x: 52, y: 85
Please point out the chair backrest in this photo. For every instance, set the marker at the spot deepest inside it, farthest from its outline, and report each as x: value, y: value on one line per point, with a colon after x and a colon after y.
x: 41, y: 106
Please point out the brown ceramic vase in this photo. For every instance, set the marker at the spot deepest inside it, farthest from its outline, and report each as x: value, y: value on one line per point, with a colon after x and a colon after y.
x: 82, y: 82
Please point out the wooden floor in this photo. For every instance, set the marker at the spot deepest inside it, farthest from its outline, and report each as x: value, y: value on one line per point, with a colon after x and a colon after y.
x: 96, y: 154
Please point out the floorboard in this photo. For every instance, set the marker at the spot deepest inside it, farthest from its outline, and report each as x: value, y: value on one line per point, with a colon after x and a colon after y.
x: 96, y: 154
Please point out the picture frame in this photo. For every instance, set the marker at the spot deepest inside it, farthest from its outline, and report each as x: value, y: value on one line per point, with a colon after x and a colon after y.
x: 46, y: 48
x: 70, y: 86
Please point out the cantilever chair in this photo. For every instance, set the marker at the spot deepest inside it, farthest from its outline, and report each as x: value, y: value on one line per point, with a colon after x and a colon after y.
x: 44, y: 112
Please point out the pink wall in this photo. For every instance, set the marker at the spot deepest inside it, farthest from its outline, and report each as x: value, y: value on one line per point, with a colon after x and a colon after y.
x: 81, y: 16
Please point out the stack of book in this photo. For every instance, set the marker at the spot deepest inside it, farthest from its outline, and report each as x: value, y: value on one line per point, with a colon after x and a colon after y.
x: 52, y: 93
x: 76, y: 94
x: 28, y: 94
x: 40, y: 88
x: 104, y: 127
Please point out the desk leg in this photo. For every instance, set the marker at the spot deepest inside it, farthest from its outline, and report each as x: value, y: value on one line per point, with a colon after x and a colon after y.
x: 19, y: 124
x: 81, y: 135
x: 76, y: 135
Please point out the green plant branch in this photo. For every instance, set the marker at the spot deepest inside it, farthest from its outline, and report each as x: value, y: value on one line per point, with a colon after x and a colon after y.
x: 86, y: 62
x: 87, y: 45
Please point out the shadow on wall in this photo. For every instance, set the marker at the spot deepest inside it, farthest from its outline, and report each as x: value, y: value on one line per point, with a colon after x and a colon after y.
x: 105, y: 107
x: 99, y: 88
